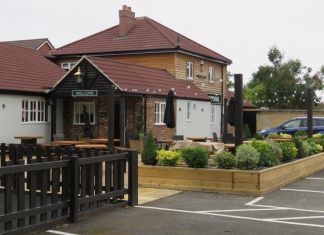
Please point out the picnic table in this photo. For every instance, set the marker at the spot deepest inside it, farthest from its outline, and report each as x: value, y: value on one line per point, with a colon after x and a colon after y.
x: 29, y: 139
x: 199, y: 139
x: 67, y: 142
x: 91, y: 146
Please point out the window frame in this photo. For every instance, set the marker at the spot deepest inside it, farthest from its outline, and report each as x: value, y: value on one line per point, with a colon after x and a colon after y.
x: 91, y: 109
x: 159, y: 109
x: 189, y: 111
x: 213, y: 114
x: 190, y: 70
x: 67, y: 65
x: 211, y: 74
x: 34, y: 111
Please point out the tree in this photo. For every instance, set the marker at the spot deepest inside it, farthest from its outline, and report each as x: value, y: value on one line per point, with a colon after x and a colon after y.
x: 283, y: 84
x: 140, y: 125
x: 229, y: 82
x: 149, y: 154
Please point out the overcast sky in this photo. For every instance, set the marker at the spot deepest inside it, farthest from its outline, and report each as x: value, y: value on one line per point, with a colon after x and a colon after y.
x: 241, y: 30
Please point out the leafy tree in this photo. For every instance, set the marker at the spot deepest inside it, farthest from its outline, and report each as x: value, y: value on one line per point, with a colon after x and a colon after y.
x: 283, y: 84
x: 229, y: 82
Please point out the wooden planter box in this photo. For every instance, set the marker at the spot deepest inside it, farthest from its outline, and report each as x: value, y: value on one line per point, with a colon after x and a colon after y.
x: 136, y: 144
x: 255, y: 183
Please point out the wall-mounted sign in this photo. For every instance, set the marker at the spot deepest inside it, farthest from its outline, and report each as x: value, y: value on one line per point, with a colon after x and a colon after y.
x: 216, y: 99
x: 84, y: 92
x: 201, y: 76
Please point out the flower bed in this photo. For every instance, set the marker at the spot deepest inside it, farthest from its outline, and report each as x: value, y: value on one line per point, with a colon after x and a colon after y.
x: 255, y: 183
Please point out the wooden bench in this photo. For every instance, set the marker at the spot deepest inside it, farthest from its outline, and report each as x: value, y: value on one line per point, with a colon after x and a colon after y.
x: 122, y: 148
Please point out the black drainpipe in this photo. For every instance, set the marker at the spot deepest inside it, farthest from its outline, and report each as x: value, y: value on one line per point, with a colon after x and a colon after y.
x: 222, y: 104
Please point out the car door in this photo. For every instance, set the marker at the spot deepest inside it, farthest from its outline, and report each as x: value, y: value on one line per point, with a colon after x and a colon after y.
x: 292, y: 126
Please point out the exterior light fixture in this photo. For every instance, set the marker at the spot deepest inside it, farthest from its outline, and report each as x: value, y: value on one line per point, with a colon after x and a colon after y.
x: 202, y: 63
x: 78, y: 76
x: 188, y: 86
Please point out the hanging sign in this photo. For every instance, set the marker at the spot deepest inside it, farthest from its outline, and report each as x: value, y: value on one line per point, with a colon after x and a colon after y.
x: 84, y: 92
x: 216, y: 99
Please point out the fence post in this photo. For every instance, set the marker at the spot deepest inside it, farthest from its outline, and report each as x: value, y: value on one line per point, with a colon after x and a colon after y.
x: 133, y: 178
x: 74, y: 188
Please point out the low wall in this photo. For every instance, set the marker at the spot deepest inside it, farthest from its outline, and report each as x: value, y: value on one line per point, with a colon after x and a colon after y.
x: 255, y: 183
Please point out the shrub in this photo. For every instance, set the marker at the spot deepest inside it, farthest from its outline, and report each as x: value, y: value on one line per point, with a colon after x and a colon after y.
x: 300, y: 133
x: 267, y: 157
x: 289, y: 151
x: 276, y: 151
x: 302, y: 147
x: 168, y: 158
x: 315, y: 148
x: 272, y: 135
x: 224, y: 159
x: 283, y: 135
x: 196, y: 157
x: 247, y: 131
x: 149, y: 153
x: 246, y: 156
x: 260, y: 136
x: 319, y: 141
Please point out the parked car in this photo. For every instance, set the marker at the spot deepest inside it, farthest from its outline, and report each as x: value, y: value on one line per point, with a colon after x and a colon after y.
x: 292, y: 126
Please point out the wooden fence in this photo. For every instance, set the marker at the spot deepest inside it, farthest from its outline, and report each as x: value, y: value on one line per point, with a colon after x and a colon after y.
x: 43, y: 187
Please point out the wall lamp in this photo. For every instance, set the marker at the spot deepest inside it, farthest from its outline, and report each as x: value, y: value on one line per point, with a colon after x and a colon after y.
x: 202, y: 63
x: 78, y: 76
x: 180, y: 109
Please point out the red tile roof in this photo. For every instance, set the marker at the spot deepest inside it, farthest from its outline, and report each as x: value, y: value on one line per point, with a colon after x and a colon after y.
x: 146, y: 80
x: 33, y: 44
x: 147, y: 35
x: 26, y: 70
x: 246, y: 104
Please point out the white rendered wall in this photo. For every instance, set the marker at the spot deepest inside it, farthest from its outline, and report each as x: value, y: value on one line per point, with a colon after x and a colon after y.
x: 199, y: 125
x: 10, y: 121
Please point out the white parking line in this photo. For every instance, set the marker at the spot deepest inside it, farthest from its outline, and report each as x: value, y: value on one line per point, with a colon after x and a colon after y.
x: 58, y: 232
x: 300, y: 190
x: 254, y: 201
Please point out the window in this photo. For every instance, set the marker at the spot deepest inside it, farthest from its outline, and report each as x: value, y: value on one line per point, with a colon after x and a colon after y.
x: 213, y: 114
x: 68, y: 66
x: 189, y: 70
x: 78, y: 112
x: 159, y: 112
x: 33, y: 111
x: 188, y: 110
x: 211, y: 74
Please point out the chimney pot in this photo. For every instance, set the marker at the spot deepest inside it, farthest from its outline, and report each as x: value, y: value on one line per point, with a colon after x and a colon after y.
x: 124, y: 7
x: 129, y: 8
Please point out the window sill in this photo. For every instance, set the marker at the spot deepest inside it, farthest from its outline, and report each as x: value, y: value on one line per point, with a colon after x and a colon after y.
x: 159, y: 124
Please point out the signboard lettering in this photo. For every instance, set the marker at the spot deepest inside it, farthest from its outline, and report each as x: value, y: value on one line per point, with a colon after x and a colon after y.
x: 84, y: 92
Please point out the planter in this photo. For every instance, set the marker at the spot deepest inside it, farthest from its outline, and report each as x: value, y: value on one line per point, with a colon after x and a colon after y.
x: 254, y: 183
x: 136, y: 144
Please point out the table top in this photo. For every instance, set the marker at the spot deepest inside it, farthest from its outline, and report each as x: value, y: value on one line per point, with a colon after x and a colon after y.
x: 229, y: 146
x: 91, y: 146
x: 28, y: 137
x: 102, y: 141
x: 67, y: 142
x: 199, y: 138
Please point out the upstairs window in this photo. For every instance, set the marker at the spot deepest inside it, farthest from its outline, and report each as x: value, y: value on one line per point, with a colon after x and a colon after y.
x: 33, y: 111
x: 211, y: 74
x: 78, y: 112
x: 159, y: 112
x: 189, y: 70
x: 68, y: 66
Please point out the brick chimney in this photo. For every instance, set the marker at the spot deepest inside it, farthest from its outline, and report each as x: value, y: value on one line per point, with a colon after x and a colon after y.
x: 126, y: 20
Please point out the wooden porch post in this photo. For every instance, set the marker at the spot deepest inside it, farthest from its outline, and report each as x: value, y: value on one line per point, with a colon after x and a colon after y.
x: 111, y: 116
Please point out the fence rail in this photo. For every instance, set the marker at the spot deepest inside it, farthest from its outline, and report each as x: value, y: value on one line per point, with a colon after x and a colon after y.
x: 43, y: 187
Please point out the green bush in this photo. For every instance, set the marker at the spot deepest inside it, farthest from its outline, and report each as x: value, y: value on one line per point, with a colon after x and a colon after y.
x: 302, y: 146
x: 319, y: 141
x: 289, y: 151
x: 247, y: 131
x: 224, y: 159
x: 196, y: 157
x: 276, y: 151
x: 300, y: 133
x: 260, y: 136
x: 246, y: 156
x: 168, y: 158
x: 315, y: 148
x: 272, y: 135
x: 149, y: 152
x: 267, y: 157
